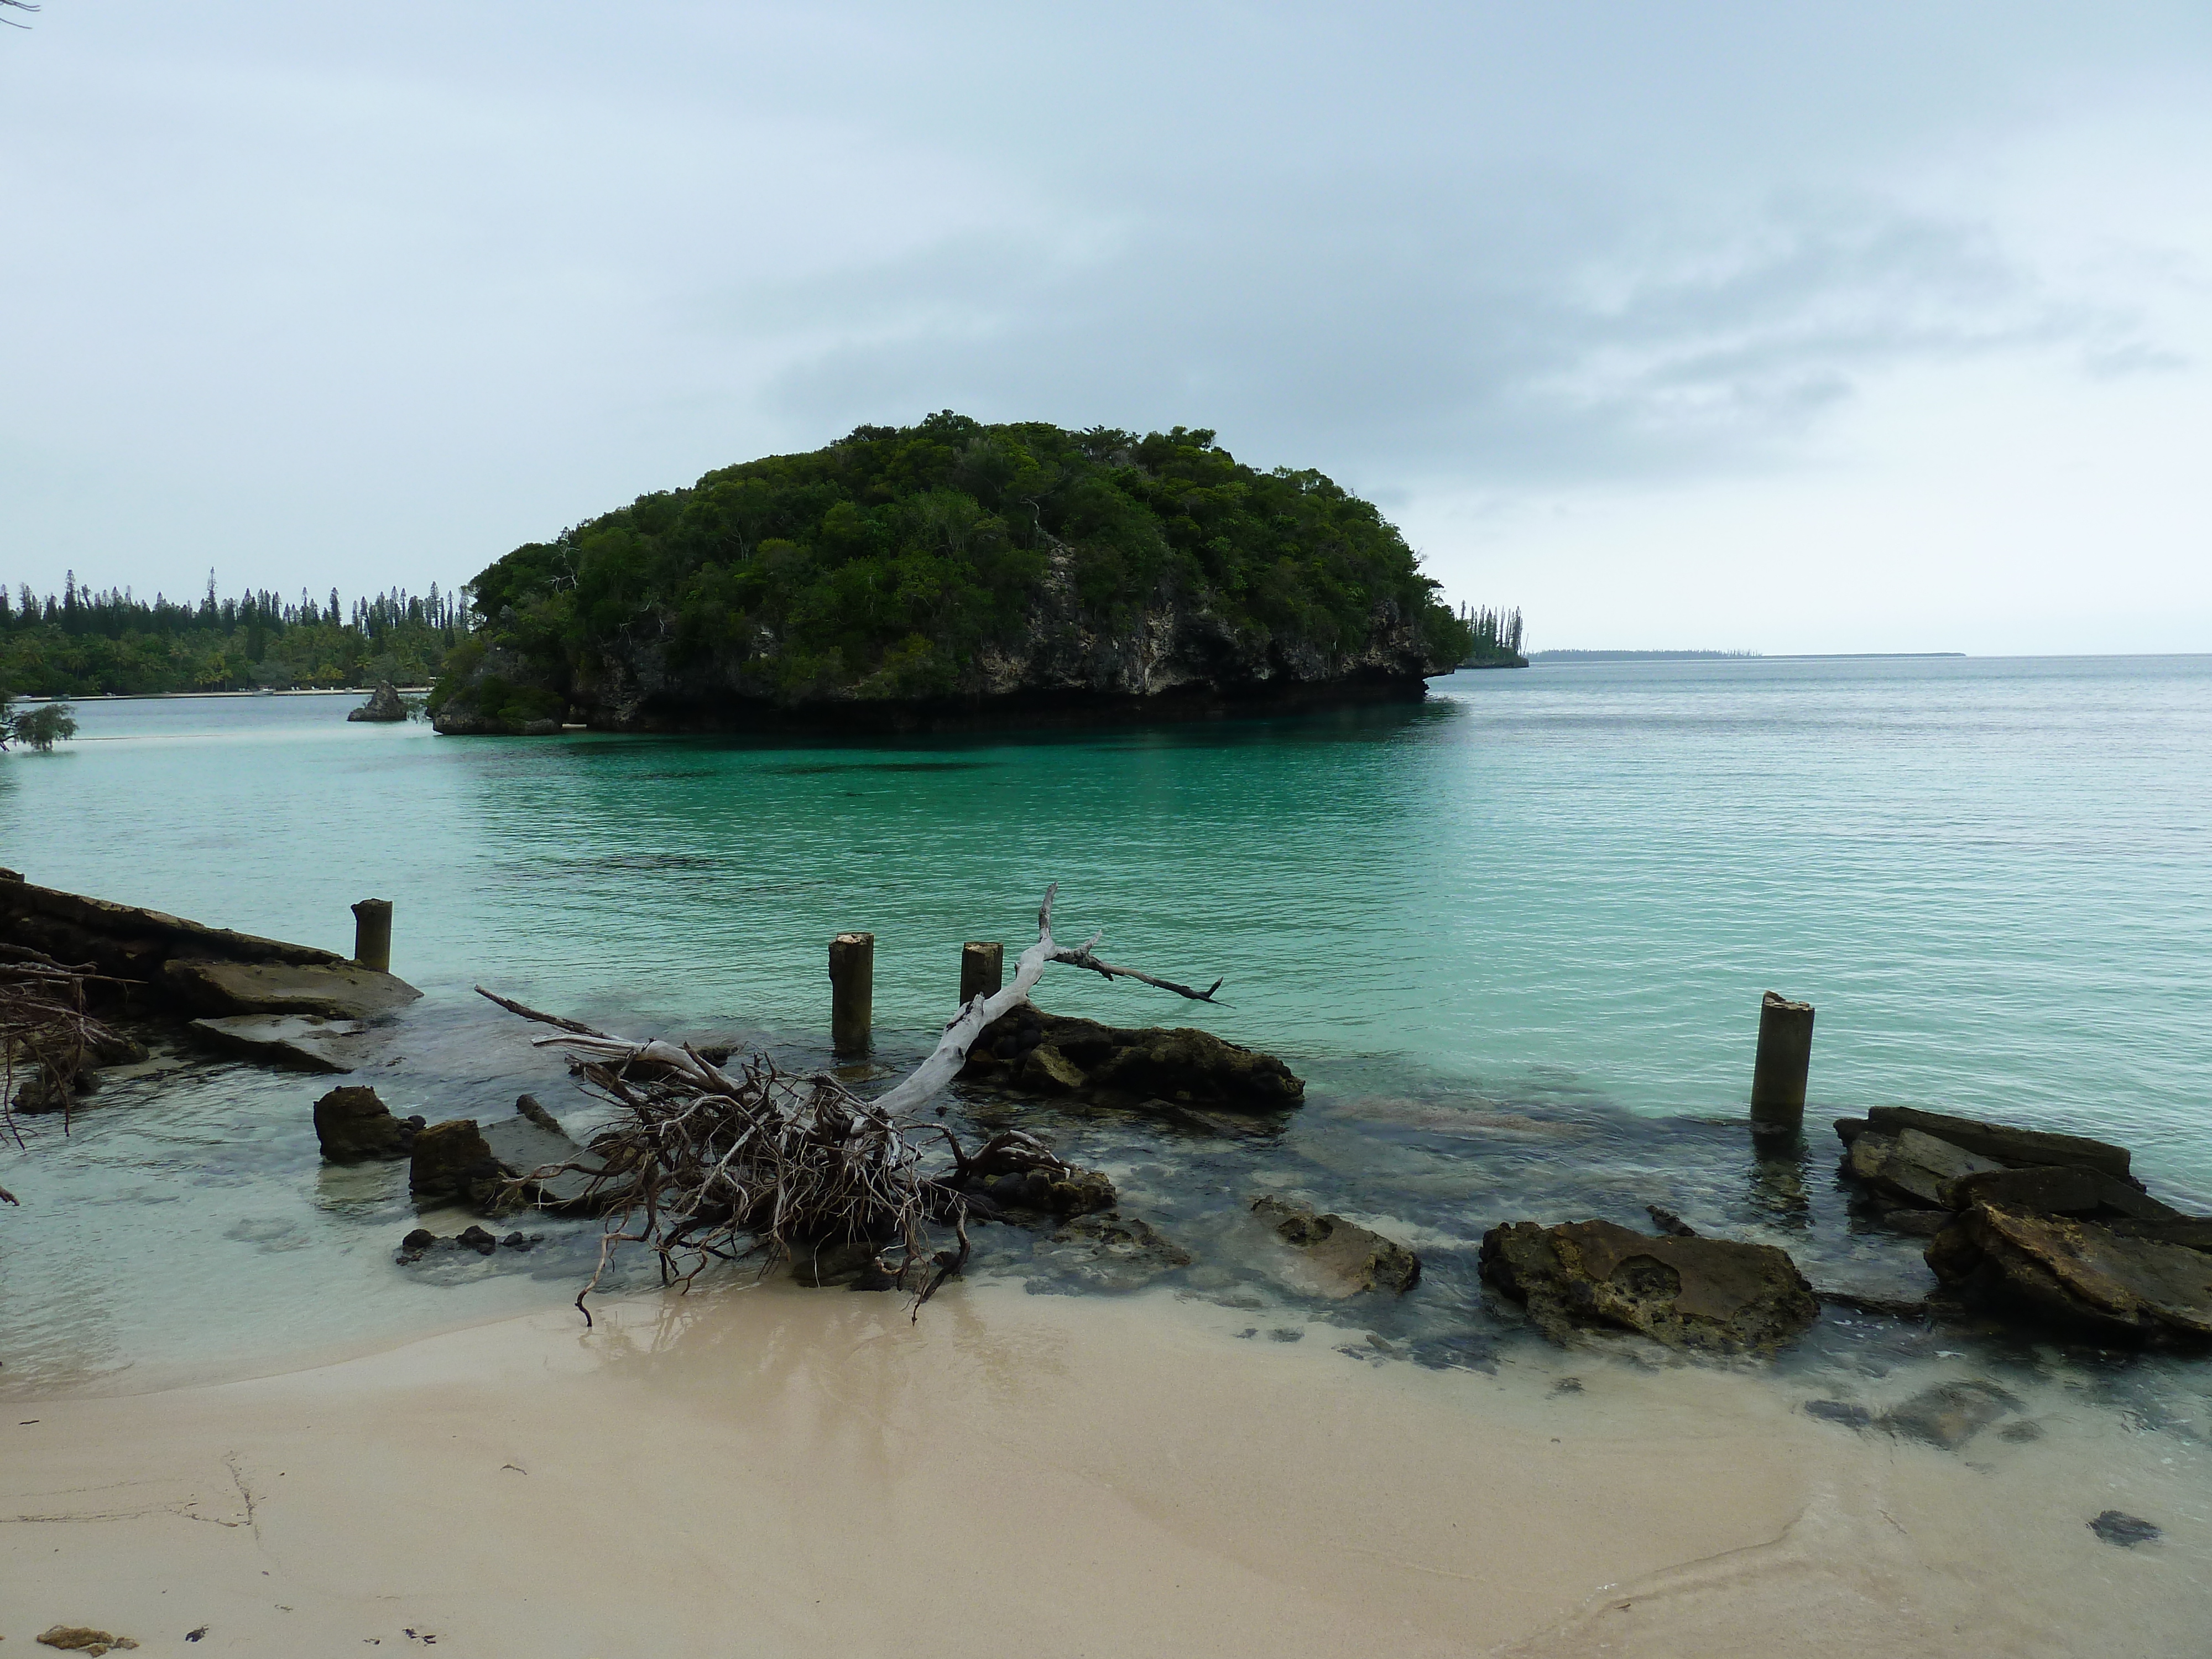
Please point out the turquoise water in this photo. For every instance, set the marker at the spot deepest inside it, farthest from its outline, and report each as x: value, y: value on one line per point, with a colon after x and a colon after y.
x: 1516, y: 937
x: 1994, y: 878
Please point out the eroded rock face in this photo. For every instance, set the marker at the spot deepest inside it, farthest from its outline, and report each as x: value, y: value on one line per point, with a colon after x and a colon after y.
x: 1029, y: 1051
x: 1708, y: 1293
x: 384, y: 703
x: 353, y: 1124
x: 453, y: 1160
x: 2078, y: 1273
x: 1341, y: 1258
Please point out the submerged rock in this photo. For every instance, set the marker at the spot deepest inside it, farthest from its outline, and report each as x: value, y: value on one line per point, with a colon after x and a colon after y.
x: 1341, y: 1257
x: 305, y: 1043
x: 83, y: 1638
x: 2077, y: 1272
x: 352, y: 1123
x: 1028, y: 1051
x: 1949, y: 1414
x: 2117, y: 1527
x: 1708, y: 1293
x: 1112, y: 1252
x: 384, y: 703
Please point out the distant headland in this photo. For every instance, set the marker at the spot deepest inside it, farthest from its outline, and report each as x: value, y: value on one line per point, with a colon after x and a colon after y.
x: 1569, y: 658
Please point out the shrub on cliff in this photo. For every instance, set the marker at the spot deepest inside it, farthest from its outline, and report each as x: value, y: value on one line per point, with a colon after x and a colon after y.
x: 886, y: 565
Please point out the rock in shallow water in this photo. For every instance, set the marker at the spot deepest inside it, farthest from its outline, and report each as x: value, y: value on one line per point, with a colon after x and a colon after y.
x: 2118, y: 1527
x: 1342, y: 1257
x: 2078, y: 1273
x: 1705, y: 1293
x: 1030, y: 1051
x: 352, y: 1123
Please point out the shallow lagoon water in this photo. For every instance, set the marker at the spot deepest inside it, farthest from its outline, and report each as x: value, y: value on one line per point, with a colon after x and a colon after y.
x: 1515, y: 937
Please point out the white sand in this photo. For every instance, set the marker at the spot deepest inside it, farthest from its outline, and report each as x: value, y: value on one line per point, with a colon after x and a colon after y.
x: 773, y: 1472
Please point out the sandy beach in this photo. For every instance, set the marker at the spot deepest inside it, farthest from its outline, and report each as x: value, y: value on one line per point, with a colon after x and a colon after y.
x: 769, y: 1472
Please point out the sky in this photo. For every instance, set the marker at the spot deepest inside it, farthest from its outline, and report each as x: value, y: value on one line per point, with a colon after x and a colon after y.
x: 1885, y: 327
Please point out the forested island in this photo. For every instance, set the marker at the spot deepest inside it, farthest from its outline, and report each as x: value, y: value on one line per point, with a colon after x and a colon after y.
x: 1496, y: 641
x: 949, y: 574
x: 82, y: 643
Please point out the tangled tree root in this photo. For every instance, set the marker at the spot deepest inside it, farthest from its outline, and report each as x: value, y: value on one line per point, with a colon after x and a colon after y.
x: 706, y: 1163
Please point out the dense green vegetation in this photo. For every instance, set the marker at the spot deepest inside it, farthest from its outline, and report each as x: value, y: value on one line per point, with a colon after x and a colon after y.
x: 39, y: 728
x: 1496, y: 639
x: 885, y: 563
x: 80, y: 642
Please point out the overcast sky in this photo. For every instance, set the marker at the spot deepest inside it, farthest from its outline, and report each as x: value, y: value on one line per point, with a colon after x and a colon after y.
x: 1877, y: 327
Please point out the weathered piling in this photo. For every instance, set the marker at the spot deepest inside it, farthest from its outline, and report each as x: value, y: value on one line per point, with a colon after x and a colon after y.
x: 1785, y: 1054
x: 852, y: 992
x: 983, y: 970
x: 372, y: 934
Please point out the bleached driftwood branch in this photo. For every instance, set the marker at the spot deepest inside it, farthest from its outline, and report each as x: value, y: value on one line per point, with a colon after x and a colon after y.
x: 709, y: 1162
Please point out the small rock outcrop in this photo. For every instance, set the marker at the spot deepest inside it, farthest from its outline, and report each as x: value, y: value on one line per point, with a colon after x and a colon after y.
x: 1028, y: 1051
x: 352, y: 1124
x: 335, y: 991
x: 2119, y: 1527
x: 478, y: 1165
x: 1708, y: 1293
x: 2077, y: 1272
x: 1340, y: 1258
x: 1112, y: 1252
x: 453, y: 1160
x: 384, y: 703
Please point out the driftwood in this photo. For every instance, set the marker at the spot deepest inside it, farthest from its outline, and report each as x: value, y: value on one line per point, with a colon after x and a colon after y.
x: 44, y: 1028
x: 708, y: 1163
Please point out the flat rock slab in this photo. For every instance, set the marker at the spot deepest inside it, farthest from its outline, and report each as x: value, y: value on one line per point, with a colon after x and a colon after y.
x: 524, y: 1144
x: 304, y: 1043
x: 1911, y: 1165
x: 2078, y: 1273
x: 1708, y: 1293
x: 2012, y: 1148
x: 335, y: 991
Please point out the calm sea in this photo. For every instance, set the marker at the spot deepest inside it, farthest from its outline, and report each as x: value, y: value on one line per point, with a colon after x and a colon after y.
x: 1560, y: 887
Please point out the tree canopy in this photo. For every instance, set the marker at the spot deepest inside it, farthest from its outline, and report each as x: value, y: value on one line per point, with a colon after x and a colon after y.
x: 884, y: 563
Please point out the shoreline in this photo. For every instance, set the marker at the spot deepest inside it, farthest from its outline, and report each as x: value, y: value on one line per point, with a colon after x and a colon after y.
x: 1101, y: 1476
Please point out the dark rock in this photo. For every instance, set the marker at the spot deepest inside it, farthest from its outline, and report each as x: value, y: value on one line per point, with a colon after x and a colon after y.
x: 2077, y: 1272
x: 1669, y: 1223
x: 2012, y: 1148
x: 2192, y: 1232
x: 1950, y: 1413
x: 475, y: 1238
x: 1889, y: 1306
x: 353, y: 1124
x: 1027, y: 1050
x: 516, y: 1241
x: 1710, y: 1293
x: 421, y: 1239
x: 302, y: 1043
x: 826, y: 1266
x: 39, y: 1094
x: 2116, y: 1527
x: 2055, y: 1190
x: 334, y: 990
x: 1837, y: 1411
x: 453, y: 1160
x: 1849, y: 1129
x: 1341, y: 1257
x: 1911, y: 1165
x: 1915, y: 1223
x: 104, y: 1047
x: 384, y: 703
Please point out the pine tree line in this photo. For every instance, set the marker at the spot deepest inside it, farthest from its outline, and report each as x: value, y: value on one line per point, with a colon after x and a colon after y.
x: 84, y: 640
x: 1497, y: 634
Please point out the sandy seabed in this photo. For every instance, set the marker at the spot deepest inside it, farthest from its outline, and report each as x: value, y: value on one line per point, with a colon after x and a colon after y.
x: 773, y: 1472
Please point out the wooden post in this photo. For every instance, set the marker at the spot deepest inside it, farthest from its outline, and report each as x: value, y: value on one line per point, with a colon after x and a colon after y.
x: 372, y: 934
x: 983, y: 970
x: 1785, y: 1054
x: 852, y: 992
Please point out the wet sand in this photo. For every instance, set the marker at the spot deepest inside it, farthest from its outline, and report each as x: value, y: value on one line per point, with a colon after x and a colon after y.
x: 772, y: 1472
